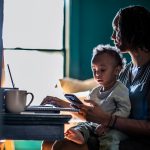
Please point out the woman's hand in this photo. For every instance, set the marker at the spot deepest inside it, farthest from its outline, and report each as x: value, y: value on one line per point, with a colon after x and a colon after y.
x: 94, y: 113
x: 55, y: 101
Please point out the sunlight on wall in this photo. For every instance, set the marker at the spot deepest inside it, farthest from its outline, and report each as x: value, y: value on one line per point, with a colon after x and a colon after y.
x: 34, y: 71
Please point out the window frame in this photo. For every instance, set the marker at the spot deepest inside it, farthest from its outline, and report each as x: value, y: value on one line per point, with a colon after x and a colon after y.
x: 63, y: 50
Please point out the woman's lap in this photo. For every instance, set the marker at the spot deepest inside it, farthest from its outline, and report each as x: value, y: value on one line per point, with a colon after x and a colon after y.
x: 63, y: 145
x: 93, y: 144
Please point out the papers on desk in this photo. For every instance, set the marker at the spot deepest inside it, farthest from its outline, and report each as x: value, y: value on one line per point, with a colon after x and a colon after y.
x: 48, y: 109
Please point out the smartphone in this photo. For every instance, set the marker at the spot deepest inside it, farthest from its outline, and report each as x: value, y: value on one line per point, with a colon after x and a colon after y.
x: 73, y: 99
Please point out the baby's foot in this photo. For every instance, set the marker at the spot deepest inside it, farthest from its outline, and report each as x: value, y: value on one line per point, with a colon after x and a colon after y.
x: 74, y: 136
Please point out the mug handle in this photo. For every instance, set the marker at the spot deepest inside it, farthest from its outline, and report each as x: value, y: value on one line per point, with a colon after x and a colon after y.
x: 32, y: 97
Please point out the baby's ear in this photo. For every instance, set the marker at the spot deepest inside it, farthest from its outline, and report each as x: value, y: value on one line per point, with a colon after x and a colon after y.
x: 117, y: 70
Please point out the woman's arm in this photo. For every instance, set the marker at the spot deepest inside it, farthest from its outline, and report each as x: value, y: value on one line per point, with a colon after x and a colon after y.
x: 55, y: 101
x: 129, y: 126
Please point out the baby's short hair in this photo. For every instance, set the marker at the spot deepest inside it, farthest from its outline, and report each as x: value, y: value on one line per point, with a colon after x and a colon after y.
x: 110, y: 50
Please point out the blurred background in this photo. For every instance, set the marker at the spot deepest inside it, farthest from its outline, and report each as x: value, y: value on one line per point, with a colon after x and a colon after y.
x: 46, y: 40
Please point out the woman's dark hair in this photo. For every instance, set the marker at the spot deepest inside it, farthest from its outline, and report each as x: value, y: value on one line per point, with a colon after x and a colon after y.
x: 110, y: 50
x: 134, y: 26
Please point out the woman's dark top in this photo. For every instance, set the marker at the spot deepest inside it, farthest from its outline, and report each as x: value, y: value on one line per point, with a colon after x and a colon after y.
x: 138, y: 89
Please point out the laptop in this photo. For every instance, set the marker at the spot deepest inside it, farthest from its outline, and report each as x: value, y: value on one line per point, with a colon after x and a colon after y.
x: 48, y: 109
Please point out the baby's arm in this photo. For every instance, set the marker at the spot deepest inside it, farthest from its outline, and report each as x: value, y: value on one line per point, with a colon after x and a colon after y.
x: 74, y: 136
x: 121, y: 98
x: 123, y: 106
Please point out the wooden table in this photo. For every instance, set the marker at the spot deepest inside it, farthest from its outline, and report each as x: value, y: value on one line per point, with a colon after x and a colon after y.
x: 38, y: 126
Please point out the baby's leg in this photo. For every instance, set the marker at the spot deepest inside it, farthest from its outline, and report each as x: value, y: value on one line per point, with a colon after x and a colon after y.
x: 75, y: 136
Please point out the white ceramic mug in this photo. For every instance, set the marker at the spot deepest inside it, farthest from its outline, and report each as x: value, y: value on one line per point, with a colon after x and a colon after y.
x: 15, y: 100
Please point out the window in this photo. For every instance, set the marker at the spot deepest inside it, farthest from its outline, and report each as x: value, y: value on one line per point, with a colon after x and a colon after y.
x: 33, y: 45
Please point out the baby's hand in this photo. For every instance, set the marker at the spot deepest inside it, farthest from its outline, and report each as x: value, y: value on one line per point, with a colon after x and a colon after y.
x: 74, y: 136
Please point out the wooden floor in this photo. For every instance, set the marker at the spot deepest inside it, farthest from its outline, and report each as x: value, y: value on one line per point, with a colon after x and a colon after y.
x: 7, y: 144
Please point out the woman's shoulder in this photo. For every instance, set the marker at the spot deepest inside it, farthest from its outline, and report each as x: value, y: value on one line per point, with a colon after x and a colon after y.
x: 127, y: 66
x: 124, y: 74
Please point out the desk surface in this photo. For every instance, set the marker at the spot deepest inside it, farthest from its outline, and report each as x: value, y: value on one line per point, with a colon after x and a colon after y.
x: 39, y: 126
x: 34, y: 118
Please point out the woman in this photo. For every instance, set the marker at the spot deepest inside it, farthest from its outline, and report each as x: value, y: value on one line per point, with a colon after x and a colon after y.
x: 131, y: 35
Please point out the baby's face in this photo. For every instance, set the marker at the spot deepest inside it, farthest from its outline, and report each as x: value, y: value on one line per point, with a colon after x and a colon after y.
x: 104, y: 70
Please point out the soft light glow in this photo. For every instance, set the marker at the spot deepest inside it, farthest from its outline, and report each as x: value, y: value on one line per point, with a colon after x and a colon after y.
x: 34, y: 71
x: 33, y: 24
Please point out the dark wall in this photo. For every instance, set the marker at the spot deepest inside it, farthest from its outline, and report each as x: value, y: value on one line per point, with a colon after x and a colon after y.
x: 90, y: 25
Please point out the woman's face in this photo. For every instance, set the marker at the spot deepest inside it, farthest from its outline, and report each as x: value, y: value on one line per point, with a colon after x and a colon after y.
x: 116, y: 35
